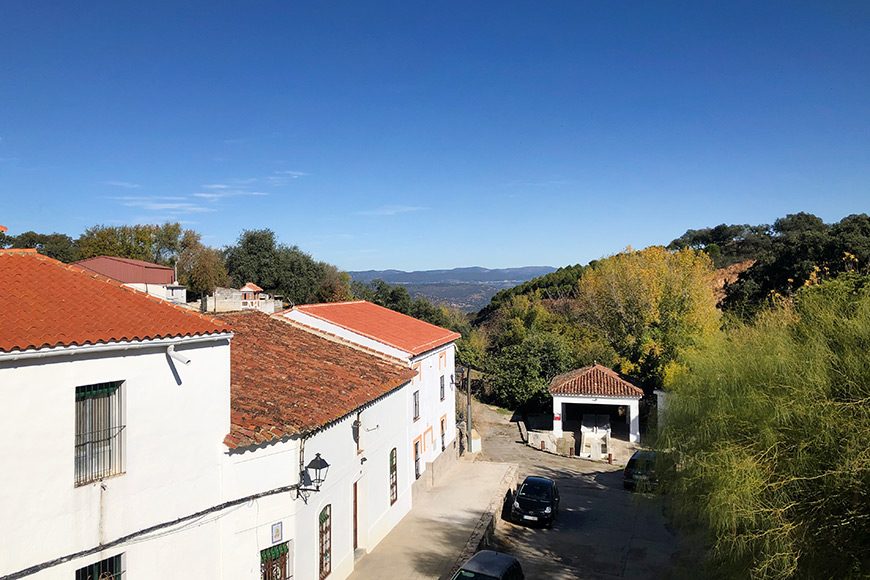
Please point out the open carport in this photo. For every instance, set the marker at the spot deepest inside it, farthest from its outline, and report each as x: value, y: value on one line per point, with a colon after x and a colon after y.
x: 597, y: 389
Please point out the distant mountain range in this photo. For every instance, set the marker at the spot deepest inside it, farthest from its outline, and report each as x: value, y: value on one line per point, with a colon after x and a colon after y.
x: 468, y: 289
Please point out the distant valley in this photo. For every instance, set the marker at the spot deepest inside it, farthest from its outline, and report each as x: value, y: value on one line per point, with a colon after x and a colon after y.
x: 468, y: 289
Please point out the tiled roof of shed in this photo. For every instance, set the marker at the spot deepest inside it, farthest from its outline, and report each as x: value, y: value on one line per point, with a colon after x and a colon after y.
x: 389, y: 327
x: 46, y: 303
x: 595, y: 380
x: 251, y: 287
x: 288, y: 381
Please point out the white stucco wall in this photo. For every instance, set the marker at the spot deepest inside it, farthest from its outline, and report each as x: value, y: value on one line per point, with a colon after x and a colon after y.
x: 175, y: 425
x: 433, y: 365
x: 247, y: 531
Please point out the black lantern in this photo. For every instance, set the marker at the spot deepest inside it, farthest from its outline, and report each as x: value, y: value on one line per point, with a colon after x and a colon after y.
x: 316, y: 470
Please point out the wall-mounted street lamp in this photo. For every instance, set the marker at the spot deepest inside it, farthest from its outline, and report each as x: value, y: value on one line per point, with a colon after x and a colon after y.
x: 313, y: 475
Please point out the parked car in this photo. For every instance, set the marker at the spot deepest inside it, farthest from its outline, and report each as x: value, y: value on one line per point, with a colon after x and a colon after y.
x: 536, y: 501
x: 490, y: 565
x: 640, y: 472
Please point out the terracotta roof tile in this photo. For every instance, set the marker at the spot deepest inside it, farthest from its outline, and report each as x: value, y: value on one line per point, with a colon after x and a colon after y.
x: 250, y: 287
x: 387, y: 326
x: 288, y: 381
x: 594, y: 380
x: 46, y: 303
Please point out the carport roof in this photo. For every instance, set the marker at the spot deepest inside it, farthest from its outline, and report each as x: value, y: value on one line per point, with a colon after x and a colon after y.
x: 595, y: 381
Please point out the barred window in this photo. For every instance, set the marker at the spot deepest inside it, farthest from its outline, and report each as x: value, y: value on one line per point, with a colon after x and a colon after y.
x: 273, y: 562
x: 442, y: 387
x: 108, y: 569
x: 325, y: 541
x: 416, y: 405
x: 99, y: 449
x: 394, y: 481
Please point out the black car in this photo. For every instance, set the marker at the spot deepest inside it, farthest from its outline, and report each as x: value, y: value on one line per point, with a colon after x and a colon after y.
x: 490, y: 565
x: 640, y: 472
x: 536, y: 501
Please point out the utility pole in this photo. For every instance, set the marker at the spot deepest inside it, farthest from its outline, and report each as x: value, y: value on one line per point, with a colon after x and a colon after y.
x: 468, y: 382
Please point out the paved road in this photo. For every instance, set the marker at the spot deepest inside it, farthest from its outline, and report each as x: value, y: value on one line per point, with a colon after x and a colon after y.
x: 601, y: 531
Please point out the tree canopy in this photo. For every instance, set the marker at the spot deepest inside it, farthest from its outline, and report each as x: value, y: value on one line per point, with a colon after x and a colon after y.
x: 802, y: 247
x: 258, y: 257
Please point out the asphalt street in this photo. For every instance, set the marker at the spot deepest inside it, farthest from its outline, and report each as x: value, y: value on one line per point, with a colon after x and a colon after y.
x: 601, y: 531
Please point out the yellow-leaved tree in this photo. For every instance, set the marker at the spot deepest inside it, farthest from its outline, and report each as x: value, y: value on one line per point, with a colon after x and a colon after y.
x: 649, y: 305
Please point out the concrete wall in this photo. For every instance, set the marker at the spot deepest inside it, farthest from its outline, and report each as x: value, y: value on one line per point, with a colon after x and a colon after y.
x: 176, y: 419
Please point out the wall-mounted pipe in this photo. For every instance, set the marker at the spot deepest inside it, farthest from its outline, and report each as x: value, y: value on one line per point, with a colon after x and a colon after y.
x: 177, y: 355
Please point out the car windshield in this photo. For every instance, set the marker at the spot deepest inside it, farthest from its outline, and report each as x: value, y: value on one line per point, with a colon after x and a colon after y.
x: 465, y: 574
x: 535, y: 490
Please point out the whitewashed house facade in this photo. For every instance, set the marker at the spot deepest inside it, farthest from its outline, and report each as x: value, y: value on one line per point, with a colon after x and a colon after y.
x: 113, y: 412
x: 296, y: 395
x: 142, y: 444
x: 427, y: 349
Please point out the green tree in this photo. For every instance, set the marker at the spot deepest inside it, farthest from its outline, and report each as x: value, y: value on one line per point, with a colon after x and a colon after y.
x: 158, y: 244
x: 803, y: 248
x: 200, y: 267
x: 58, y: 246
x: 281, y: 269
x: 768, y: 423
x: 520, y: 374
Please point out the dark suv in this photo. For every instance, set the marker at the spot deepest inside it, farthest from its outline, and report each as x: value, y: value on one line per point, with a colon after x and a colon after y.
x: 537, y: 501
x: 640, y: 473
x: 489, y: 565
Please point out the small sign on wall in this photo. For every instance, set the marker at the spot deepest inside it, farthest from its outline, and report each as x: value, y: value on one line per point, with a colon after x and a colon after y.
x: 557, y: 417
x: 277, y: 532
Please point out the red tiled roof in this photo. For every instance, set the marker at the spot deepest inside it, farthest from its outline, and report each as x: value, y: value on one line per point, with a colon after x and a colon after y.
x: 251, y: 287
x: 594, y: 380
x: 46, y: 303
x: 288, y: 381
x: 382, y: 324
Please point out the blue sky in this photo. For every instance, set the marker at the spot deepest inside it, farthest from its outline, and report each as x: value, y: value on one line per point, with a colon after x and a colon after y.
x: 420, y: 135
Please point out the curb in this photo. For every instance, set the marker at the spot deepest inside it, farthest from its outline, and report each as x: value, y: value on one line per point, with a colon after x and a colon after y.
x: 483, y: 531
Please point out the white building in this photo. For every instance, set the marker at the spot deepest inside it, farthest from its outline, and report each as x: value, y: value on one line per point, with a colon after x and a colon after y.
x: 139, y: 443
x: 596, y: 386
x: 113, y: 411
x: 427, y: 349
x: 296, y: 395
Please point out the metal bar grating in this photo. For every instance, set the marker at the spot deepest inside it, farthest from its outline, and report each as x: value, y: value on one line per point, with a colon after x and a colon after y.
x: 99, y: 427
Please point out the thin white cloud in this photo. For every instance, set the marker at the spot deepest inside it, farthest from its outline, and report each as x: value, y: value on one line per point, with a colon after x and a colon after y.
x: 134, y: 198
x: 165, y: 205
x: 292, y: 174
x: 392, y: 210
x: 217, y: 186
x: 216, y: 195
x: 124, y: 184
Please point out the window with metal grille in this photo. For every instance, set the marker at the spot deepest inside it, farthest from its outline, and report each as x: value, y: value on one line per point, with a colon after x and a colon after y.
x: 394, y: 478
x: 417, y: 459
x: 273, y: 562
x: 442, y: 387
x: 416, y: 405
x: 443, y: 435
x: 99, y: 449
x: 108, y: 569
x: 325, y: 541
